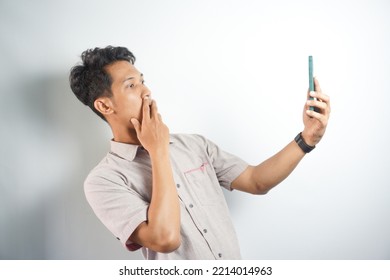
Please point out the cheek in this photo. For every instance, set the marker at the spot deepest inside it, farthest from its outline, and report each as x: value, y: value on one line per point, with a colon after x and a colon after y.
x: 138, y: 113
x: 136, y: 108
x: 131, y: 108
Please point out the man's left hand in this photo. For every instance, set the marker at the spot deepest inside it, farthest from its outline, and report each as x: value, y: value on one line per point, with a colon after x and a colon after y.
x: 315, y: 122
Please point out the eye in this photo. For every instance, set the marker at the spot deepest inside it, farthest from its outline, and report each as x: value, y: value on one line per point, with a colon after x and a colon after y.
x: 130, y: 85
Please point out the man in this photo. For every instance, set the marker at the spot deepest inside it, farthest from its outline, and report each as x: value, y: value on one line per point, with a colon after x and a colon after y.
x: 162, y: 192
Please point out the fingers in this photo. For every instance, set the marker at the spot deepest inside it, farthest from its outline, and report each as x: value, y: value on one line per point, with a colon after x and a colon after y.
x: 321, y: 101
x: 322, y: 106
x: 146, y: 108
x: 153, y: 109
x: 319, y: 95
x: 137, y: 125
x: 323, y: 119
x: 317, y: 87
x: 149, y: 108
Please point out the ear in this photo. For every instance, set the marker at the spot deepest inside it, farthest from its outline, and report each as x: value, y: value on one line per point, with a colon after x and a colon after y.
x: 104, y: 105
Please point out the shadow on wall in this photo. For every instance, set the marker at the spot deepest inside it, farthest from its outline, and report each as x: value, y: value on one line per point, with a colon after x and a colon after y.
x: 50, y: 142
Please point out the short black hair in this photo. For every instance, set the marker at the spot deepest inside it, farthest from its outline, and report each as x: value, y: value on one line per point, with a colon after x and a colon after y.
x: 90, y: 80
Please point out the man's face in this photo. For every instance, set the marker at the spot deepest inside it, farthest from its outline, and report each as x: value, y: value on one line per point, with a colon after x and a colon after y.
x: 128, y: 92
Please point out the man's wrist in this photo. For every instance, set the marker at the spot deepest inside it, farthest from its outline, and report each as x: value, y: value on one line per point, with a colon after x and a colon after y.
x: 159, y: 152
x: 305, y: 147
x: 309, y: 140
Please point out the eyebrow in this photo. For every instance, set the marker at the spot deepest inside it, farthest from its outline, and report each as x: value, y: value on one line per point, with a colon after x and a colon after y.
x: 130, y: 78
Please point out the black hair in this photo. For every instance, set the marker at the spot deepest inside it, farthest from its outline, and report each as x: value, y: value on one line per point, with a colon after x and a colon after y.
x: 90, y: 80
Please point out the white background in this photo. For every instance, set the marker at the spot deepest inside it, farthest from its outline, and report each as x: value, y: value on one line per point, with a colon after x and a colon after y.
x: 234, y: 71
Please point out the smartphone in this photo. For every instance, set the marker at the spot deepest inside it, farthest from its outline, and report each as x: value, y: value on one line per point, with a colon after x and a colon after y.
x: 311, y: 81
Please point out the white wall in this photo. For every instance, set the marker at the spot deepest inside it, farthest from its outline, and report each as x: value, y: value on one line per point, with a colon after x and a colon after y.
x: 234, y: 71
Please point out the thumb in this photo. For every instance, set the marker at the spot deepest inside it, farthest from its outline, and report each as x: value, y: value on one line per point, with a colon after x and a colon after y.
x: 136, y: 124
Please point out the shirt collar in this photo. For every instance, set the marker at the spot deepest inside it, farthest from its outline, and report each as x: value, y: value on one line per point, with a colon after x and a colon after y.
x: 127, y: 151
x: 123, y: 150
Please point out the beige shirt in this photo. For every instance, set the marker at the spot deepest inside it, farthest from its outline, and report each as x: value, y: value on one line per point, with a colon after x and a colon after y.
x: 119, y: 191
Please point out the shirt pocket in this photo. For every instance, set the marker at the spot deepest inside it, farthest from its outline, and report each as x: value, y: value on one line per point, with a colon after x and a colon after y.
x: 203, y: 183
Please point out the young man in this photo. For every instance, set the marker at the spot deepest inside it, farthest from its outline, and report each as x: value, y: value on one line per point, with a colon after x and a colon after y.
x: 162, y: 192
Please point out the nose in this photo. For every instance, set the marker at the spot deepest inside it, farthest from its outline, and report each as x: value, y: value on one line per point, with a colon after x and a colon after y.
x: 146, y: 93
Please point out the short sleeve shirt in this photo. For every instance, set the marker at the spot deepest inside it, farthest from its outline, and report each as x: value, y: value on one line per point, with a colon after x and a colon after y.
x: 119, y: 191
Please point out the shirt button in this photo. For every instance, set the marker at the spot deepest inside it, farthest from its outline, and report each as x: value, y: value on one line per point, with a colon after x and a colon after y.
x: 178, y: 185
x: 220, y: 255
x: 205, y: 230
x: 191, y: 206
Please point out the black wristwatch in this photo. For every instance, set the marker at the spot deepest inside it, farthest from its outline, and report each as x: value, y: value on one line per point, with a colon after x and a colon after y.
x: 302, y: 144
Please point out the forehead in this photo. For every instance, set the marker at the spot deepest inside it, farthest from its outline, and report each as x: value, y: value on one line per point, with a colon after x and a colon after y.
x: 120, y: 70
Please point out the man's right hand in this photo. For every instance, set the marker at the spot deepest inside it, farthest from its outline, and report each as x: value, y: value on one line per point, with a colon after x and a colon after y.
x: 152, y: 132
x: 161, y: 231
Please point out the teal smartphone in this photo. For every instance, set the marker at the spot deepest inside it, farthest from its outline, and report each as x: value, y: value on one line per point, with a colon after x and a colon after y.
x: 311, y: 80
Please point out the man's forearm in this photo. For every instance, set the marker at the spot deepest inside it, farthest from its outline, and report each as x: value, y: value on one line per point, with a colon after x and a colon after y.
x: 164, y: 209
x: 275, y: 169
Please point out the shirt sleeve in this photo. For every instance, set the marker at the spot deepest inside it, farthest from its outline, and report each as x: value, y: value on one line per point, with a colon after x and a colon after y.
x: 227, y: 166
x: 117, y: 206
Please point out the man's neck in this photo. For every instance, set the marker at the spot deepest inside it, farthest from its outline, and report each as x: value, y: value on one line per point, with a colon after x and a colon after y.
x: 125, y: 135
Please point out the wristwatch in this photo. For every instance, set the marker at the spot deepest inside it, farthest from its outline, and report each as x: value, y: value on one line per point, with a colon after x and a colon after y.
x: 302, y: 144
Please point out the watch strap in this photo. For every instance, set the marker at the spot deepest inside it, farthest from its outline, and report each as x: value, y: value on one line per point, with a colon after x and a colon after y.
x: 302, y: 144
